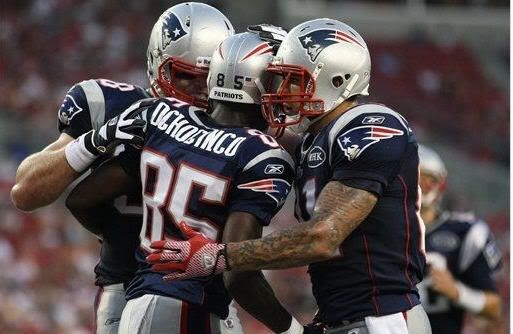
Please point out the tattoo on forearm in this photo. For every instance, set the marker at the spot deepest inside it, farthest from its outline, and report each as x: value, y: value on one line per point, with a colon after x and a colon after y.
x: 339, y: 210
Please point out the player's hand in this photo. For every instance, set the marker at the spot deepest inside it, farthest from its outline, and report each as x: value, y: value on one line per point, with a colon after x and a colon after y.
x: 443, y: 282
x: 196, y: 257
x: 124, y: 128
x: 269, y: 33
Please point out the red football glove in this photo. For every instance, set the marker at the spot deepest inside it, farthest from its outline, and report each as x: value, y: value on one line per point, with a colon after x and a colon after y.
x: 196, y: 257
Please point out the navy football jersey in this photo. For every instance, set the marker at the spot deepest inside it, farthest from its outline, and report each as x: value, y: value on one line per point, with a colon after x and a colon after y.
x: 196, y: 171
x: 465, y: 246
x: 369, y: 147
x: 87, y: 106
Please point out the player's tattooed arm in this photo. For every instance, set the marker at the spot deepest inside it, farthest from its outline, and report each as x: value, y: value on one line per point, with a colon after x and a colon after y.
x: 339, y: 210
x: 250, y: 289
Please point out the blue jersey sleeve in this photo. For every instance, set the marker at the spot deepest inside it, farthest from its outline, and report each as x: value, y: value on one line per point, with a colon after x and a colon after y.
x: 479, y: 275
x: 90, y: 103
x: 480, y: 258
x: 263, y: 184
x: 73, y: 115
x: 367, y: 150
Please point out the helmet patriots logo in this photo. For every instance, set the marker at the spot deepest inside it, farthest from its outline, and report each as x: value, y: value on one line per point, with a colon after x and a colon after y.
x: 68, y: 110
x: 172, y: 30
x: 315, y: 41
x: 357, y: 140
x: 277, y: 189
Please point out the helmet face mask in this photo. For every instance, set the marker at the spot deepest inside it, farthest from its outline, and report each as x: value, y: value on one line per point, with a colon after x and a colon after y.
x: 432, y: 177
x: 291, y: 100
x: 433, y: 188
x: 183, y: 81
x: 180, y: 48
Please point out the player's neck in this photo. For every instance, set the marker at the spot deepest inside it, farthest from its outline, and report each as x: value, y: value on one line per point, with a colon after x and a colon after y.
x: 331, y: 115
x: 429, y: 215
x: 243, y: 118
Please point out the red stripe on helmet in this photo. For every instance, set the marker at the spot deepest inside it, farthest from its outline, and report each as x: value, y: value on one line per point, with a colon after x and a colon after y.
x: 341, y: 35
x: 260, y: 49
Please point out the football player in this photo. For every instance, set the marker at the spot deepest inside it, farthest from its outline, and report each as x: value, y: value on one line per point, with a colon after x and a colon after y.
x: 461, y: 254
x: 179, y: 51
x: 219, y: 175
x: 357, y: 188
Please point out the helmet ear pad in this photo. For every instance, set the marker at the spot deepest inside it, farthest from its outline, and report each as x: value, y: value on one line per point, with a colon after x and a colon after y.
x: 342, y: 71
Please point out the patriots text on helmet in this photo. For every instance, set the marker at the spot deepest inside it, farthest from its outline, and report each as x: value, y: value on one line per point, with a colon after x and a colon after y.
x: 174, y: 124
x: 227, y: 95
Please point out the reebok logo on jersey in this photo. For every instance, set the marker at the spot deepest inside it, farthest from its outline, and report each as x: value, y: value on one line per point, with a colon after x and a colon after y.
x: 356, y: 140
x: 274, y: 169
x: 373, y: 120
x: 316, y: 157
x: 69, y: 109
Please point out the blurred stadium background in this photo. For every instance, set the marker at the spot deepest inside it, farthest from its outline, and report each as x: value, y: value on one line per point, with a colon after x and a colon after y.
x: 444, y: 64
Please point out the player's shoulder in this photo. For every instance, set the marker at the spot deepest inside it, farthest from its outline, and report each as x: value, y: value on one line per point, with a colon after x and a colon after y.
x: 258, y: 142
x: 94, y: 94
x: 459, y: 225
x: 476, y: 238
x: 106, y: 92
x: 465, y: 224
x: 175, y: 104
x: 363, y: 127
x: 367, y: 116
x: 92, y: 86
x: 259, y: 147
x: 461, y: 221
x: 116, y: 86
x: 161, y: 109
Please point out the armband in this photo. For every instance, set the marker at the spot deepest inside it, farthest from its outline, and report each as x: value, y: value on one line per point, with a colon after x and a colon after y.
x: 77, y: 155
x: 470, y: 299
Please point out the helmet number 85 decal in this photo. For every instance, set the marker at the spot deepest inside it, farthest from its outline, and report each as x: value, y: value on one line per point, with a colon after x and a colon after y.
x: 238, y: 81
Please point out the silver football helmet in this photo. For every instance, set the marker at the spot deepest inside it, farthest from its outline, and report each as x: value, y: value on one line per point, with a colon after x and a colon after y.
x: 319, y: 64
x: 433, y: 176
x: 237, y: 69
x: 179, y: 51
